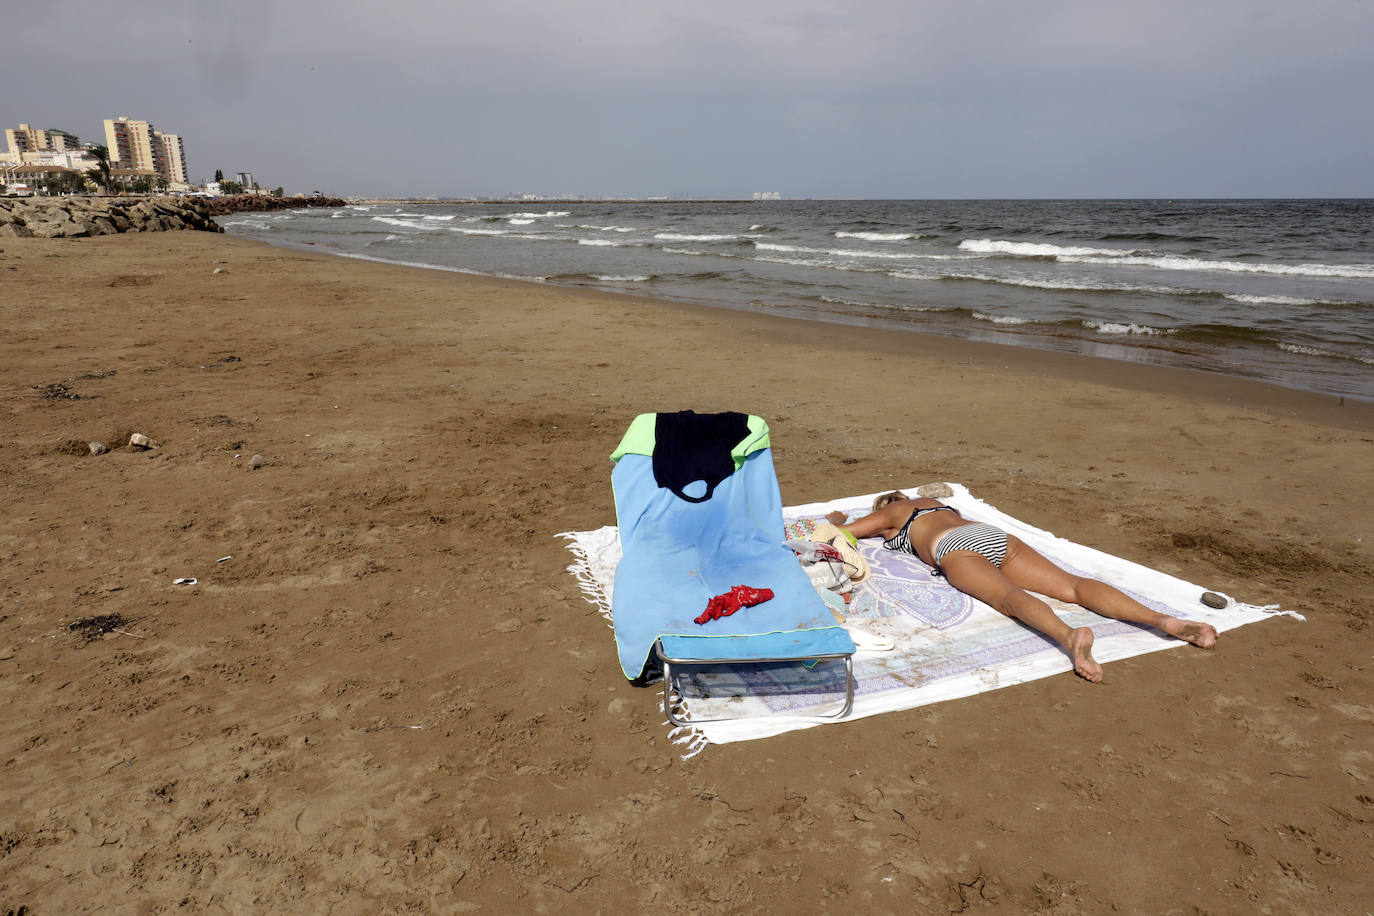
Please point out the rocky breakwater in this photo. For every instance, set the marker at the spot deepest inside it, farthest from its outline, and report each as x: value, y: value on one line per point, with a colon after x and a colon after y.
x: 261, y: 203
x: 78, y: 217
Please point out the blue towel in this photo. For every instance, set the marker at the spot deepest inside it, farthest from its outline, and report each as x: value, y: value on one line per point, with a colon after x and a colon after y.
x: 676, y: 556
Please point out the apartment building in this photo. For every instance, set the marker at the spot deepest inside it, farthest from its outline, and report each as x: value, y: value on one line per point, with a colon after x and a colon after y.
x: 174, y: 154
x: 131, y: 145
x: 26, y: 139
x: 138, y: 145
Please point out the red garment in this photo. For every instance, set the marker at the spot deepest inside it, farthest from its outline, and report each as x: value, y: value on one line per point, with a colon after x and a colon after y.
x: 736, y: 598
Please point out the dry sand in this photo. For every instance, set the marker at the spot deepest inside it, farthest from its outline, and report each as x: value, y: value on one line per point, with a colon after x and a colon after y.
x: 394, y: 698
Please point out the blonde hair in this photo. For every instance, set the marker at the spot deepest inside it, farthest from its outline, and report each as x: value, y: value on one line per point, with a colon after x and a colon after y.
x: 886, y: 498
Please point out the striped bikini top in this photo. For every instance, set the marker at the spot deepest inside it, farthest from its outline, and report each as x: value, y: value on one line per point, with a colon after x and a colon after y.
x: 899, y: 540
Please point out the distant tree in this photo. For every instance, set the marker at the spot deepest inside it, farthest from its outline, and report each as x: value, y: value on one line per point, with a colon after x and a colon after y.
x: 102, y: 165
x: 219, y: 174
x: 230, y: 187
x: 161, y: 184
x: 278, y: 192
x: 141, y: 185
x: 53, y: 184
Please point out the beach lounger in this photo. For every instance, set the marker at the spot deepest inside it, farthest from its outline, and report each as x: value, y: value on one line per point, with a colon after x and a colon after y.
x: 681, y: 549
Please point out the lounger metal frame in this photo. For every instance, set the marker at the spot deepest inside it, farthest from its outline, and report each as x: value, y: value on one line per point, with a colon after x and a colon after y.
x: 668, y: 663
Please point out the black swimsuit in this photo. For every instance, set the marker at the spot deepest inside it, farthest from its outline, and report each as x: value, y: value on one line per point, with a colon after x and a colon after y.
x: 899, y: 541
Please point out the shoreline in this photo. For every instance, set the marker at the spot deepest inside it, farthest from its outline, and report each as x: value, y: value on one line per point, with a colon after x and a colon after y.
x: 877, y: 327
x: 386, y: 692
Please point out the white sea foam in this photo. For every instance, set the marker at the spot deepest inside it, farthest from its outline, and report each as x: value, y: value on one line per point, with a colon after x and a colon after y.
x: 822, y: 263
x: 835, y: 300
x: 1317, y: 351
x: 1274, y: 300
x: 683, y: 237
x: 339, y: 215
x: 1178, y: 262
x: 250, y: 223
x: 1036, y: 249
x: 599, y: 243
x: 596, y: 228
x: 547, y: 214
x: 878, y: 236
x: 406, y: 223
x: 520, y: 222
x: 1110, y: 327
x: 441, y: 219
x: 795, y: 262
x: 834, y: 252
x: 1056, y: 284
x: 915, y: 273
x: 614, y: 279
x: 479, y: 231
x: 1001, y: 319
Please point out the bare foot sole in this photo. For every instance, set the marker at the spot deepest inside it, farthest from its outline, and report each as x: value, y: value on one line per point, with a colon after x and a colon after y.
x: 1202, y: 635
x: 1081, y: 648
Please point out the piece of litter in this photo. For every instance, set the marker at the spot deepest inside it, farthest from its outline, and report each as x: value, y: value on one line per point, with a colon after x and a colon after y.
x: 185, y: 580
x: 222, y: 559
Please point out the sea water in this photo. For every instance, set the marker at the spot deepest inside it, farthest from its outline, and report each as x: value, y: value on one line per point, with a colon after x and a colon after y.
x: 1278, y: 290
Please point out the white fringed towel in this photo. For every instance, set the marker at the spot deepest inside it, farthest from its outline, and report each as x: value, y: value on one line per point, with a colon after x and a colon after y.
x: 945, y: 645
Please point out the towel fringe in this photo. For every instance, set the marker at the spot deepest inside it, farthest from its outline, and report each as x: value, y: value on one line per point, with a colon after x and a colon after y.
x: 1272, y: 610
x: 694, y: 738
x: 581, y: 571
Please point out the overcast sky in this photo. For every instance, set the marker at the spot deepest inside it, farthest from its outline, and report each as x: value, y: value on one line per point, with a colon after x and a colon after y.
x: 812, y: 98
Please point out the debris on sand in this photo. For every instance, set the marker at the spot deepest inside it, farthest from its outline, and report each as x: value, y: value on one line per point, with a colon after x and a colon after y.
x: 92, y: 628
x: 57, y: 392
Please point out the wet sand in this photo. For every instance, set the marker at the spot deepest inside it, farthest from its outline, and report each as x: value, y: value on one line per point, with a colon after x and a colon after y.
x: 392, y: 697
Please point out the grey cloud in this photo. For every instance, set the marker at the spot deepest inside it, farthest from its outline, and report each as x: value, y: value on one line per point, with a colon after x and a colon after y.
x: 877, y: 98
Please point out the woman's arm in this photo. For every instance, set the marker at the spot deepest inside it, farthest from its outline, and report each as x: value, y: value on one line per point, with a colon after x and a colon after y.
x: 871, y: 525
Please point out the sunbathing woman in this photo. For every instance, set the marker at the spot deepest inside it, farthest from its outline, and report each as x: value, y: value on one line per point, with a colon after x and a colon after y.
x: 997, y: 569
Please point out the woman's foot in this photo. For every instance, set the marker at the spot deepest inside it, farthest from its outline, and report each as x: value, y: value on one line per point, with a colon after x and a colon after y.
x: 1202, y: 635
x: 1080, y: 646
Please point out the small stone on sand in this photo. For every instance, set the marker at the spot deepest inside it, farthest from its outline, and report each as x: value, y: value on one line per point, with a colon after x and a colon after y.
x: 1212, y: 599
x: 256, y: 462
x: 935, y: 491
x: 98, y: 448
x: 138, y: 440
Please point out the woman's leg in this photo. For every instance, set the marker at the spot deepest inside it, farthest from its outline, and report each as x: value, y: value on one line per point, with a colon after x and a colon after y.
x: 974, y: 575
x: 1034, y: 572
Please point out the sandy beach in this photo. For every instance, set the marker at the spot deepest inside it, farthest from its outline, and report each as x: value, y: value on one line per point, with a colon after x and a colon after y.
x: 384, y: 693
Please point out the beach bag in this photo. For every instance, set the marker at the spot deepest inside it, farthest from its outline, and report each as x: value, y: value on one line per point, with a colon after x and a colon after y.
x: 824, y: 565
x: 848, y: 549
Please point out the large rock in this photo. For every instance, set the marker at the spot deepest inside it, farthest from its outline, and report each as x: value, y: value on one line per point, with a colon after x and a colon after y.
x: 257, y: 203
x: 75, y: 217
